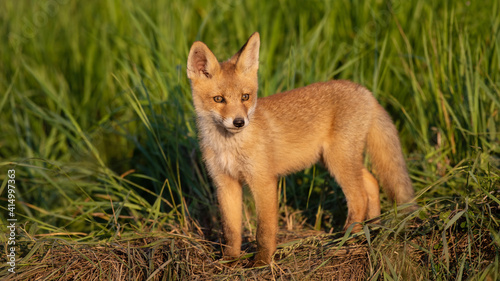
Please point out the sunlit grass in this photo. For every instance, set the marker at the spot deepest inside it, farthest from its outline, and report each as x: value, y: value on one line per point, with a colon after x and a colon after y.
x: 96, y: 114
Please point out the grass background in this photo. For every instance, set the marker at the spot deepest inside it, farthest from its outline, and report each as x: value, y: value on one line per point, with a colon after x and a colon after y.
x: 96, y: 115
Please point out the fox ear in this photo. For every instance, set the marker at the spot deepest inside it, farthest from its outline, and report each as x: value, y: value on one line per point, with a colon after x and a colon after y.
x: 247, y: 58
x: 201, y: 62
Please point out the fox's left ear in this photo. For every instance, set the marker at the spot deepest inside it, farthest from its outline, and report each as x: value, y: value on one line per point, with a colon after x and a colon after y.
x: 247, y: 58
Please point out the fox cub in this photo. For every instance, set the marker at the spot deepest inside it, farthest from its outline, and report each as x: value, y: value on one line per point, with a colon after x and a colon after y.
x: 245, y: 140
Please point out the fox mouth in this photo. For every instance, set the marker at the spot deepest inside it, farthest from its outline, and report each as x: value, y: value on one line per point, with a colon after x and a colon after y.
x: 233, y: 126
x: 223, y: 129
x: 233, y: 130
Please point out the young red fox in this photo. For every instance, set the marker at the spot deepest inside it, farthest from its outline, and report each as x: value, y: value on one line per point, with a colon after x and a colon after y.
x: 245, y: 140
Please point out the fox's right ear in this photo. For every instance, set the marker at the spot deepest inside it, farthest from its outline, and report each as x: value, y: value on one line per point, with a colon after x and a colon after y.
x: 201, y: 62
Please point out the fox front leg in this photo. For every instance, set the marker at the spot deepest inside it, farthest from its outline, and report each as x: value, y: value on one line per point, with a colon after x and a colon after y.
x: 229, y: 194
x: 266, y: 202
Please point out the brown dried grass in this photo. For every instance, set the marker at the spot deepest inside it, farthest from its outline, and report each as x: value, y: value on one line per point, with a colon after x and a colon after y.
x: 305, y: 255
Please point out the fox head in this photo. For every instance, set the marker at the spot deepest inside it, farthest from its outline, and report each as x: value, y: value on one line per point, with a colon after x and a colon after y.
x: 225, y: 92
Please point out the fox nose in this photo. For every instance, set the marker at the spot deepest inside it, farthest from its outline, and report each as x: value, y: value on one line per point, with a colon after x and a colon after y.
x: 239, y: 122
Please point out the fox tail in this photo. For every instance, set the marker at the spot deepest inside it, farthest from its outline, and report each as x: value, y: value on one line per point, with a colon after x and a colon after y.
x: 384, y: 149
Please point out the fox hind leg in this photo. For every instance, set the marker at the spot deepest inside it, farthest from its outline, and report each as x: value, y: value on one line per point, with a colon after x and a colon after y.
x: 373, y: 192
x: 345, y: 164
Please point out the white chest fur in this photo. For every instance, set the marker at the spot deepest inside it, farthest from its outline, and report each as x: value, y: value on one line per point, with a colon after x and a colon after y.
x: 227, y: 154
x: 228, y: 162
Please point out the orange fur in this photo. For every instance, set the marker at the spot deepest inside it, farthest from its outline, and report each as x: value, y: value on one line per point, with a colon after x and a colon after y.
x: 245, y: 140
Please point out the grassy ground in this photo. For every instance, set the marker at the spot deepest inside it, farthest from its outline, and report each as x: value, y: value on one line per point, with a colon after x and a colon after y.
x: 97, y: 122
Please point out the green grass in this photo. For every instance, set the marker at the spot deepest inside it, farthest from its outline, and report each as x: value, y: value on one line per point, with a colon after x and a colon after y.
x: 96, y: 116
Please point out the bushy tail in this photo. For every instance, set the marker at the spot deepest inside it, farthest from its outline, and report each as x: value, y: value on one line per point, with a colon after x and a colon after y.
x: 387, y: 158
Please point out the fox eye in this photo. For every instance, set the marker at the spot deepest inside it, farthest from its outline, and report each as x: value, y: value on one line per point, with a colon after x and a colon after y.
x: 218, y: 99
x: 245, y: 97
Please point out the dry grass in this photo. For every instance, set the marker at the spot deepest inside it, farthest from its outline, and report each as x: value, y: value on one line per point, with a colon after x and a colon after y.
x: 305, y: 255
x: 172, y: 256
